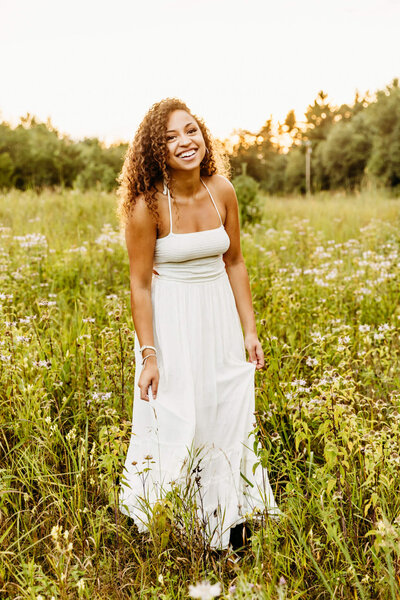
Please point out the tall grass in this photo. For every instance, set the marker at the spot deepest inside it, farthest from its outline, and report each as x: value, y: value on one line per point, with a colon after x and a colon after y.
x: 324, y: 273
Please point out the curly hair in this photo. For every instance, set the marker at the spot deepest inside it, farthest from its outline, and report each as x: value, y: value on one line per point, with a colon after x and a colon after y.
x: 145, y: 160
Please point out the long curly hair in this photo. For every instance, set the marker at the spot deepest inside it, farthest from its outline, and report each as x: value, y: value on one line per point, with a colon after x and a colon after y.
x: 145, y: 160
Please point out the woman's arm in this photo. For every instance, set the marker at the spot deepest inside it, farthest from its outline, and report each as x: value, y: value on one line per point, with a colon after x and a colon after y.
x: 237, y: 273
x: 140, y: 236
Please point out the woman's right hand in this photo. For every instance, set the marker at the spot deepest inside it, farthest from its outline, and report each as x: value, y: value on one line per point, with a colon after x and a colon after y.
x: 149, y: 376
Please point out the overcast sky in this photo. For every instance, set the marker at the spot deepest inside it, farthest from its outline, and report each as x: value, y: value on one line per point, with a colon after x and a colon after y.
x: 96, y: 66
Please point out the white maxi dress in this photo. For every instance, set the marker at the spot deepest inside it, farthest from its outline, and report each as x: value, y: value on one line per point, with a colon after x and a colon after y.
x: 203, y: 415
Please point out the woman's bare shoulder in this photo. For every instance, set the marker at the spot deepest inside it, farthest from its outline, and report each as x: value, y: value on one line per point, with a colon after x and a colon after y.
x: 220, y: 182
x: 223, y: 188
x: 141, y: 216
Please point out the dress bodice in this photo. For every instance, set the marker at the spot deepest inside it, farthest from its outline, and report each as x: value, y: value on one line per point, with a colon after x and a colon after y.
x: 180, y: 247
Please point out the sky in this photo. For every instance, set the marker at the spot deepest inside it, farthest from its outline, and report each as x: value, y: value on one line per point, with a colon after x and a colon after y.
x: 96, y: 66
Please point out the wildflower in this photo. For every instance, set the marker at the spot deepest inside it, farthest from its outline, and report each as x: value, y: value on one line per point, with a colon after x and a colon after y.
x: 89, y: 320
x: 108, y: 236
x: 42, y: 363
x: 56, y: 532
x: 81, y: 584
x: 27, y: 319
x: 22, y: 338
x: 385, y: 327
x: 100, y: 396
x: 311, y: 362
x: 31, y: 240
x: 282, y: 588
x: 71, y: 435
x: 78, y: 249
x: 379, y: 336
x: 205, y: 590
x: 364, y: 328
x: 317, y: 337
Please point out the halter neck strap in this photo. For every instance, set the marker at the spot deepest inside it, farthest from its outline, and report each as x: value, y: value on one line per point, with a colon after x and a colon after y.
x: 170, y: 210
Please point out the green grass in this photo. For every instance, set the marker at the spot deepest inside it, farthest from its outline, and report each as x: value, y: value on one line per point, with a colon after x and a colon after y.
x: 325, y: 274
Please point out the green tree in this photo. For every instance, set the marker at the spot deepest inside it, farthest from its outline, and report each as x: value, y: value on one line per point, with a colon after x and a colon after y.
x: 345, y: 152
x: 383, y: 118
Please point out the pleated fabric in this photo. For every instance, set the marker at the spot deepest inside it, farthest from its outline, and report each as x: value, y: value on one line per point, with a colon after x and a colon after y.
x: 199, y: 429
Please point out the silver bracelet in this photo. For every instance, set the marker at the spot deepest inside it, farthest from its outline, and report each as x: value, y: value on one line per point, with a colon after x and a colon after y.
x: 151, y: 347
x: 146, y: 357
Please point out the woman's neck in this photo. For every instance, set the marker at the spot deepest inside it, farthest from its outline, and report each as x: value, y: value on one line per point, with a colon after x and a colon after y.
x: 185, y: 184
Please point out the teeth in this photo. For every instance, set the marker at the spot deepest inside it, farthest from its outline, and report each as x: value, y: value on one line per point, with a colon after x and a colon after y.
x: 189, y: 153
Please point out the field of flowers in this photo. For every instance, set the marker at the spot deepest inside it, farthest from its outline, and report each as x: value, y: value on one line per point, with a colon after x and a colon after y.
x: 324, y: 273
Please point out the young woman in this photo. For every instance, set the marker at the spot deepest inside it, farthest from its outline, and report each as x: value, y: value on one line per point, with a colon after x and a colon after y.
x: 193, y: 411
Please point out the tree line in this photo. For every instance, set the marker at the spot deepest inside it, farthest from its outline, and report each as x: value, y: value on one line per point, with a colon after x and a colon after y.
x: 352, y: 145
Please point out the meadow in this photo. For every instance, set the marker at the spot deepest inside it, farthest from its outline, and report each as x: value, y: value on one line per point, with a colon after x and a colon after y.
x: 324, y: 274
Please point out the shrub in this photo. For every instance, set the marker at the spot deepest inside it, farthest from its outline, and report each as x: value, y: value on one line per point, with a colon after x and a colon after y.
x: 247, y: 194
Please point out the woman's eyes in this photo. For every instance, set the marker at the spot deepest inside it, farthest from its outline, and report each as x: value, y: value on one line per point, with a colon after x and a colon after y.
x: 171, y: 137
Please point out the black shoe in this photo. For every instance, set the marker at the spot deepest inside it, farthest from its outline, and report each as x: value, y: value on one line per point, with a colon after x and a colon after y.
x: 239, y: 536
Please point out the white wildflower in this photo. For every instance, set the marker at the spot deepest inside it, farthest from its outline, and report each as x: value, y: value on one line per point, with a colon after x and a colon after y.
x: 205, y: 590
x: 379, y: 336
x: 42, y: 363
x: 27, y: 319
x: 22, y: 338
x: 317, y: 337
x: 81, y: 249
x: 56, y: 531
x: 31, y: 240
x: 81, y: 584
x: 311, y: 362
x: 71, y: 435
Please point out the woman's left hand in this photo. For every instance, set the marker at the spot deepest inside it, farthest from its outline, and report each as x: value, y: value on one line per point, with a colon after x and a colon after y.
x: 254, y: 348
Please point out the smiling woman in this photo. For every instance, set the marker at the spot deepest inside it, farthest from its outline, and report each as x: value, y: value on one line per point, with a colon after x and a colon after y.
x: 193, y: 412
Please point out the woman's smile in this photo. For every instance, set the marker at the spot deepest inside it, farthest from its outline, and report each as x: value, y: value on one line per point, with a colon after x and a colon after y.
x: 187, y: 155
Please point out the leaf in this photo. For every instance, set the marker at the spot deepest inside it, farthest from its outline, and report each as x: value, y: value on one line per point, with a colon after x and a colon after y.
x: 330, y: 485
x: 330, y: 453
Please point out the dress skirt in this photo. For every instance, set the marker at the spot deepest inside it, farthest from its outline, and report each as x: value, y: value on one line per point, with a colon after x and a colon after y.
x: 202, y: 419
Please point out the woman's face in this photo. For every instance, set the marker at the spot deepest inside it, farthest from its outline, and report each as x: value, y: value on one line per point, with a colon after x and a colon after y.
x: 185, y: 143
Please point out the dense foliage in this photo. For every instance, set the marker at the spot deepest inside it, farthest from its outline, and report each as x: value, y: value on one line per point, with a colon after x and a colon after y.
x: 34, y: 155
x: 324, y: 275
x: 353, y: 146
